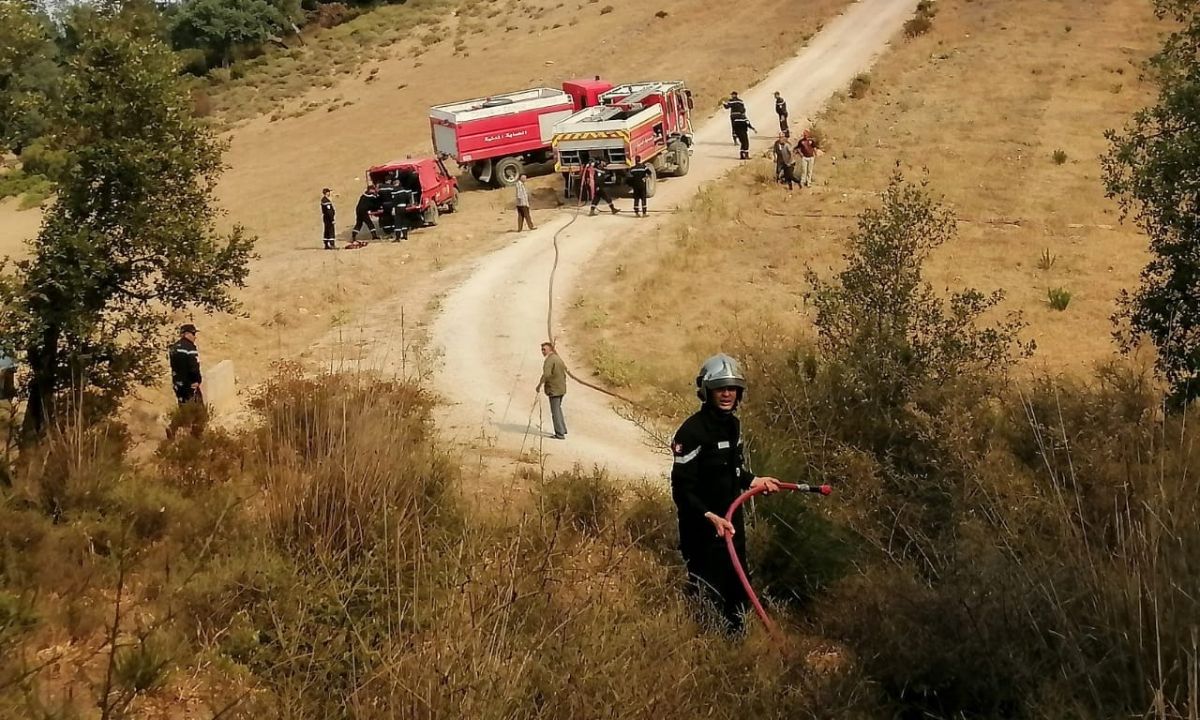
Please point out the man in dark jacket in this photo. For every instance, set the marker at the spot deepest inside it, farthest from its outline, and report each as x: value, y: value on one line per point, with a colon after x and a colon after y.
x: 782, y: 111
x: 741, y: 131
x: 708, y: 475
x: 327, y: 214
x: 368, y: 202
x: 185, y: 366
x: 599, y: 177
x: 639, y: 176
x: 736, y: 106
x: 386, y: 192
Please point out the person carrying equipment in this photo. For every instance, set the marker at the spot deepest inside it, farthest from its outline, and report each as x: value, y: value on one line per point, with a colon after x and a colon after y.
x: 782, y: 111
x: 736, y: 107
x: 599, y: 177
x: 327, y: 214
x: 367, y: 203
x: 741, y: 131
x: 638, y: 174
x: 708, y: 474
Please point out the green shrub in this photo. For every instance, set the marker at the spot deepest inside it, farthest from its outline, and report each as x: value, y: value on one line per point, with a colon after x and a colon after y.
x: 1060, y: 157
x: 650, y: 521
x: 918, y: 25
x: 797, y: 551
x: 1059, y: 298
x: 588, y: 501
x: 38, y: 159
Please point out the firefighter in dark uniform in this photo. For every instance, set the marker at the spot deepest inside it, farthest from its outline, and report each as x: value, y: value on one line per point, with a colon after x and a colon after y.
x: 387, y: 206
x: 782, y: 111
x: 741, y: 131
x: 599, y: 177
x: 708, y: 475
x: 327, y: 214
x: 736, y: 107
x: 638, y: 175
x: 185, y: 366
x: 368, y: 202
x: 401, y: 199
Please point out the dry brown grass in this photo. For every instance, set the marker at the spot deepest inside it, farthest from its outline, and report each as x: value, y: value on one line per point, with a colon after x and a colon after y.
x: 978, y: 106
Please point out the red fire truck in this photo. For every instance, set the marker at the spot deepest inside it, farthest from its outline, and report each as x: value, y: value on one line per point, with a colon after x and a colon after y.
x: 495, y: 136
x: 650, y: 120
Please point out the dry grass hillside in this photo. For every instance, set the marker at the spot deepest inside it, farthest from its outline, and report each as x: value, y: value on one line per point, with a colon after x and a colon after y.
x: 1001, y: 107
x: 376, y: 111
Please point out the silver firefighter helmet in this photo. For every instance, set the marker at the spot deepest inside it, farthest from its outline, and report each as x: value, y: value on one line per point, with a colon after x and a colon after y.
x: 719, y: 371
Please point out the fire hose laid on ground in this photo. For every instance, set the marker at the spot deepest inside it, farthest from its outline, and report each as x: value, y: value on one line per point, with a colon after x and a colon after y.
x: 737, y: 564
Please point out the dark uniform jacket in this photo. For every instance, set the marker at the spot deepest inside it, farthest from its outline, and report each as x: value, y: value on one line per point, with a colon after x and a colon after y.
x: 366, y: 203
x: 185, y: 363
x: 637, y: 177
x: 780, y: 107
x: 708, y: 475
x: 386, y: 195
x: 736, y: 106
x: 327, y: 211
x: 741, y: 124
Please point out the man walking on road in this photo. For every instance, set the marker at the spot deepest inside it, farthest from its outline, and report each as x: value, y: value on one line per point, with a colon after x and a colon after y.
x: 808, y: 148
x: 599, y: 177
x: 708, y: 474
x: 185, y: 366
x: 523, y: 215
x: 327, y: 214
x: 782, y: 111
x: 554, y: 380
x: 736, y: 107
x: 638, y: 176
x: 741, y: 131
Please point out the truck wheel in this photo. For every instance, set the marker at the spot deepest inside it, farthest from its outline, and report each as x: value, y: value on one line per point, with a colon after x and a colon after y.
x: 506, y: 172
x: 477, y: 171
x: 651, y: 182
x: 452, y: 203
x: 683, y: 159
x: 430, y: 216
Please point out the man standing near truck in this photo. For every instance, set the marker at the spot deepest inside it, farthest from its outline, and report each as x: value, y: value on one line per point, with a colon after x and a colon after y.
x: 367, y: 203
x: 736, y: 107
x: 638, y: 174
x: 782, y: 111
x: 387, y: 208
x: 523, y: 215
x: 327, y: 214
x: 599, y: 177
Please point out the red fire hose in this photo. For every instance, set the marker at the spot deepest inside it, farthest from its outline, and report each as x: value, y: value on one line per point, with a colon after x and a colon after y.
x: 737, y: 564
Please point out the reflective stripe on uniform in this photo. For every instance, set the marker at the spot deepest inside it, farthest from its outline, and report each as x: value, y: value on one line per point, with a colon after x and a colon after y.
x: 684, y: 459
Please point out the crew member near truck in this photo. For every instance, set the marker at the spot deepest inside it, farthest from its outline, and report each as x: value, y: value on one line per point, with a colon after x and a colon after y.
x: 386, y: 192
x: 637, y: 177
x: 327, y: 215
x: 708, y: 474
x: 367, y: 203
x: 600, y: 176
x: 736, y: 107
x: 782, y: 111
x: 741, y: 131
x: 185, y: 366
x: 401, y: 199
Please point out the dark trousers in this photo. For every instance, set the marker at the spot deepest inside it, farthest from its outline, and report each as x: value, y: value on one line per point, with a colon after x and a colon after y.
x: 556, y: 415
x: 400, y: 226
x: 783, y: 126
x: 712, y: 579
x: 185, y: 393
x: 330, y: 235
x: 743, y: 138
x: 787, y: 174
x: 601, y: 194
x: 639, y: 200
x: 360, y: 220
x: 524, y: 217
x: 387, y: 220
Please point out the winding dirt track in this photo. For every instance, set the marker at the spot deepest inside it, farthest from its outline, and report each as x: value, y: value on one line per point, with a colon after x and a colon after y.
x: 490, y: 325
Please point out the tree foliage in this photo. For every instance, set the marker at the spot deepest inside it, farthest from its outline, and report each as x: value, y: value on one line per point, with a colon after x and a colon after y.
x: 218, y: 27
x: 1153, y: 169
x: 29, y: 73
x: 130, y: 237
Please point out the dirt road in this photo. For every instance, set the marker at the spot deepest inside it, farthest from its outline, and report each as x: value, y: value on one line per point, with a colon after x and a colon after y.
x: 490, y: 326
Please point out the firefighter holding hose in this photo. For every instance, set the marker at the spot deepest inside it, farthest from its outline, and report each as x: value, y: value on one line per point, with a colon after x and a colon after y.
x: 708, y: 474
